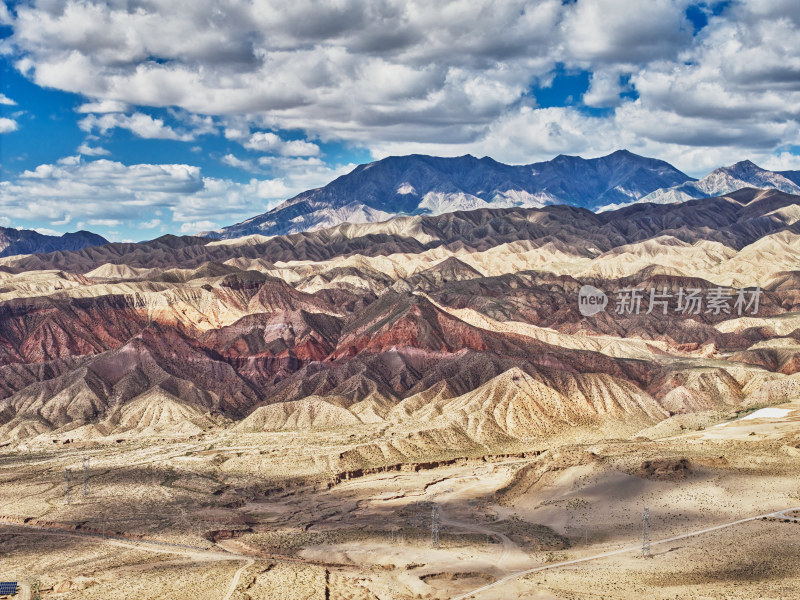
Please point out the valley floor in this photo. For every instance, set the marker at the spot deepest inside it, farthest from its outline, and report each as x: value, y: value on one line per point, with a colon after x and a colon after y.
x: 217, y: 515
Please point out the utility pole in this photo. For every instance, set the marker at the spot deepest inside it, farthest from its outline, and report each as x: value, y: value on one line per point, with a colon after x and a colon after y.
x: 435, y: 526
x: 68, y: 480
x: 646, y: 533
x: 85, y: 478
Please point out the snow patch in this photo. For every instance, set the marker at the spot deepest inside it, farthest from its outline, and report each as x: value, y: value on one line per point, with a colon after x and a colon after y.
x: 767, y: 413
x: 762, y: 413
x: 441, y: 202
x: 406, y: 188
x: 522, y: 198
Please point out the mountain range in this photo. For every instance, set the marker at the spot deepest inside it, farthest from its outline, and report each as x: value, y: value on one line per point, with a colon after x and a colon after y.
x: 460, y: 331
x: 428, y: 185
x: 728, y: 179
x: 26, y: 241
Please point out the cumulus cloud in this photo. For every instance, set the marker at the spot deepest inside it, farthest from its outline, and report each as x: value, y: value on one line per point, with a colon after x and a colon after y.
x: 46, y: 231
x: 107, y: 193
x: 337, y: 69
x: 416, y: 76
x: 6, y: 100
x: 194, y: 227
x: 274, y: 144
x: 102, y: 106
x: 619, y: 31
x: 140, y: 124
x: 239, y: 163
x: 100, y: 189
x: 8, y: 125
x: 63, y: 221
x: 88, y: 150
x: 604, y: 90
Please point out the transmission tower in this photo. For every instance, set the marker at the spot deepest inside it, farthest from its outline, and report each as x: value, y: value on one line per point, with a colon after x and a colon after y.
x: 85, y: 478
x: 435, y: 526
x: 68, y: 480
x: 646, y: 533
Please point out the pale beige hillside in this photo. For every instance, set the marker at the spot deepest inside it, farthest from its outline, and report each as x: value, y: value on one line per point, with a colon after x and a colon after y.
x: 696, y: 259
x: 310, y: 413
x: 609, y: 345
x: 757, y: 263
x: 112, y: 271
x: 521, y: 406
x: 778, y: 325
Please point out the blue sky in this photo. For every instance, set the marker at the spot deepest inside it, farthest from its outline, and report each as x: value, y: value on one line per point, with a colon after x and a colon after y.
x: 137, y: 118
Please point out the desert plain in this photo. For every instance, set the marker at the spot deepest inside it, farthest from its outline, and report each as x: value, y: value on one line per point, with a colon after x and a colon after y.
x: 221, y: 515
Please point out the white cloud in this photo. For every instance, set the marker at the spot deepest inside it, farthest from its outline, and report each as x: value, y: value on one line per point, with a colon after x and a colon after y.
x: 783, y: 161
x: 140, y: 124
x: 238, y: 163
x: 274, y: 144
x: 528, y: 135
x: 102, y: 106
x: 8, y: 125
x: 46, y: 231
x: 92, y: 150
x: 604, y: 89
x: 338, y: 70
x: 5, y: 221
x: 105, y: 222
x: 296, y: 174
x: 239, y: 134
x: 196, y: 124
x: 6, y: 100
x: 619, y: 31
x: 101, y: 189
x: 198, y: 226
x: 417, y: 76
x: 108, y: 193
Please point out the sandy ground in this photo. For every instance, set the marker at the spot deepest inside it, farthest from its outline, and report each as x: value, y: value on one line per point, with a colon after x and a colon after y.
x: 242, y: 529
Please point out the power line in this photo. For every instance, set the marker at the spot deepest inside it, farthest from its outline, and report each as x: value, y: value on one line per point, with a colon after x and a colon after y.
x: 435, y: 526
x: 68, y: 480
x: 85, y: 478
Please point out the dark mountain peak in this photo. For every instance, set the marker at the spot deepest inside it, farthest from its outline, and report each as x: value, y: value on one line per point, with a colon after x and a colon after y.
x: 431, y: 185
x: 27, y: 241
x: 452, y: 268
x: 568, y: 158
x: 743, y: 166
x: 176, y: 241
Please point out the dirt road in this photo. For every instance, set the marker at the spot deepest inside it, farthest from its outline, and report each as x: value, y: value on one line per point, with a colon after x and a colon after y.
x: 635, y: 548
x: 197, y: 554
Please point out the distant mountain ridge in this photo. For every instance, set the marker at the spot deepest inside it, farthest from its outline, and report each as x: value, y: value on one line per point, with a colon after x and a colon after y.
x: 27, y: 241
x: 429, y: 185
x: 726, y: 180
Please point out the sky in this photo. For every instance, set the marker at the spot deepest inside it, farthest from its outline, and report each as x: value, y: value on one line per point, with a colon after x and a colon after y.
x: 136, y: 118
